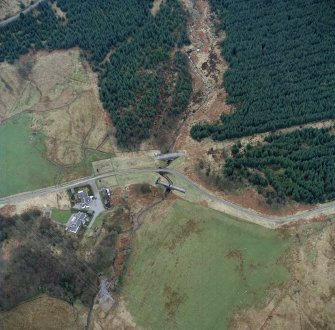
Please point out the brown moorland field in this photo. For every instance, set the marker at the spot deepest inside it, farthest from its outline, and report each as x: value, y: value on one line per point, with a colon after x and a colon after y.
x: 59, y: 91
x: 308, y: 299
x: 51, y: 101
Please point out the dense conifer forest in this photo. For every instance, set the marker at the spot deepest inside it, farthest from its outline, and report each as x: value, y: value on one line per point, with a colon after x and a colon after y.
x: 138, y: 77
x: 281, y: 65
x: 299, y: 165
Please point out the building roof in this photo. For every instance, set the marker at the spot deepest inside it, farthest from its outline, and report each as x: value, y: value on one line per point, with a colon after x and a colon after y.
x: 75, y: 222
x: 84, y: 198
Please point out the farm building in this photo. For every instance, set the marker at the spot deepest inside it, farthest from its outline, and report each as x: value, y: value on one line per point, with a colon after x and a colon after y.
x: 76, y: 221
x: 85, y: 200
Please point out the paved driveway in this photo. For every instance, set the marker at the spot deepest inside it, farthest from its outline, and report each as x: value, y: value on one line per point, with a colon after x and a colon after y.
x: 96, y: 204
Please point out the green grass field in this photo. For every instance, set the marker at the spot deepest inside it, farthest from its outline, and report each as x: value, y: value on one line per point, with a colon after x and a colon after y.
x: 192, y: 194
x: 61, y: 216
x: 22, y: 164
x: 193, y: 267
x: 133, y: 178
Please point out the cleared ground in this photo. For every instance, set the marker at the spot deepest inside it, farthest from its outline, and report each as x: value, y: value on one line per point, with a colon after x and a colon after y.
x: 193, y: 268
x: 155, y: 7
x: 52, y: 125
x: 9, y: 8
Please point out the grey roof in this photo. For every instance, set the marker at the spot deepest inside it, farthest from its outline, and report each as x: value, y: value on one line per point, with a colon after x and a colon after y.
x: 84, y: 198
x: 76, y: 221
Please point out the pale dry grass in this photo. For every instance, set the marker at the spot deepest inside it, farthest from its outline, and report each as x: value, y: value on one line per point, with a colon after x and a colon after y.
x: 59, y: 71
x: 44, y: 313
x: 68, y: 128
x: 9, y: 8
x: 99, y: 130
x: 58, y: 200
x: 109, y: 145
x: 16, y: 94
x: 307, y: 301
x: 58, y: 11
x: 61, y: 93
x: 122, y: 161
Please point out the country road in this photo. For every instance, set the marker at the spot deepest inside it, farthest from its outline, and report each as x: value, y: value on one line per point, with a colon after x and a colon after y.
x: 219, y: 202
x: 214, y: 201
x: 25, y: 11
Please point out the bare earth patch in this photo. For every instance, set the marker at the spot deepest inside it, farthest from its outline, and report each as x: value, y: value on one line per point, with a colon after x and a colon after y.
x: 249, y: 198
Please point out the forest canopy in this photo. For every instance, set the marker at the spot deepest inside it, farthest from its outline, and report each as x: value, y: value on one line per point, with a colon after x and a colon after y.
x: 132, y: 51
x: 299, y: 165
x: 281, y: 65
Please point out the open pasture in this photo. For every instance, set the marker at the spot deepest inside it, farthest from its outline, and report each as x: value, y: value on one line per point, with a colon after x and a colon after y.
x: 193, y: 268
